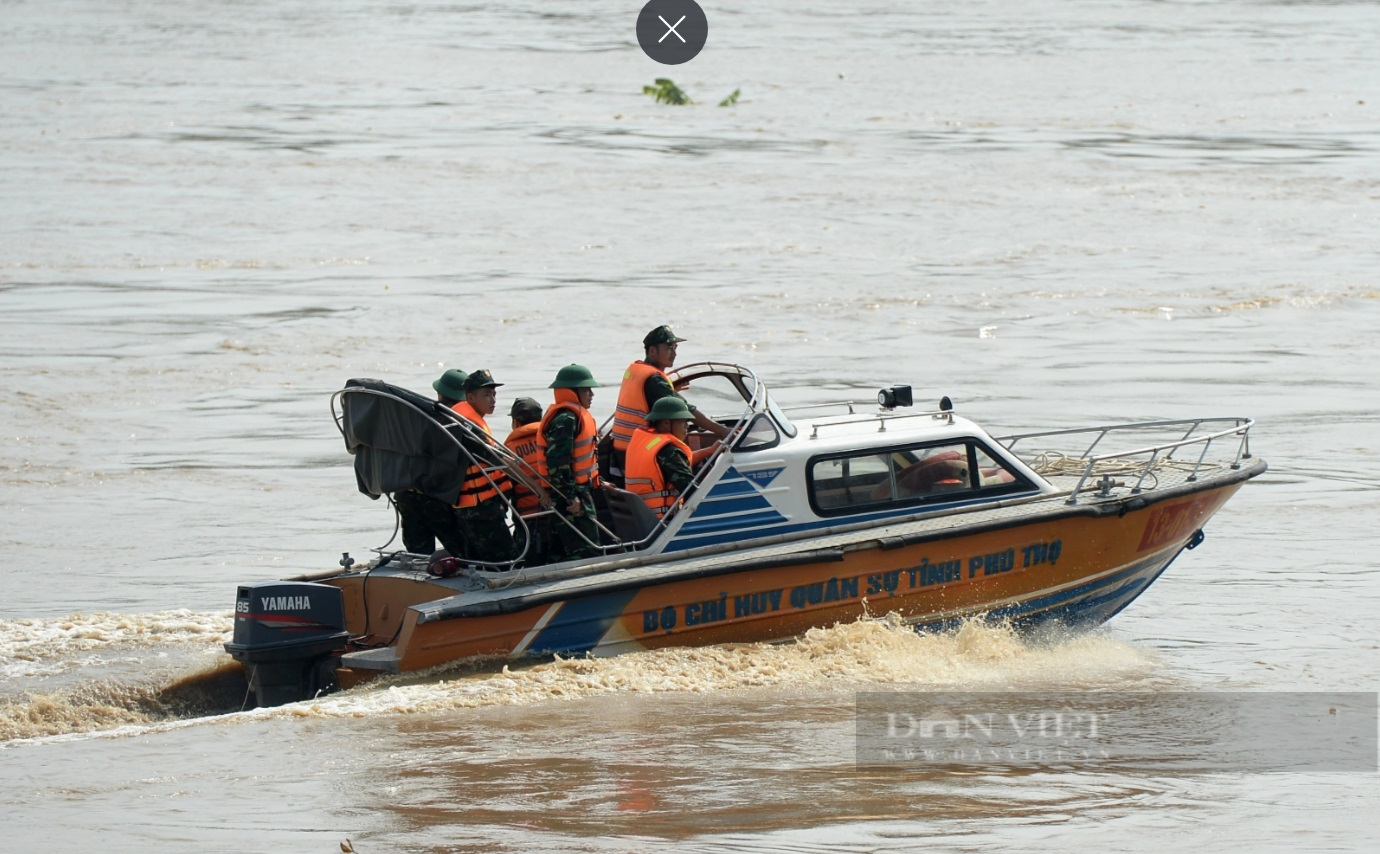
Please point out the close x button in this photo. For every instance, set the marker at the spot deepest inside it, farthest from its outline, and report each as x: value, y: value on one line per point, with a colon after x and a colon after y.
x: 672, y: 31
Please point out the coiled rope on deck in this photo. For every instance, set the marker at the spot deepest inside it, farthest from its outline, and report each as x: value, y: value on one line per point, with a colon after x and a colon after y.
x: 1058, y: 464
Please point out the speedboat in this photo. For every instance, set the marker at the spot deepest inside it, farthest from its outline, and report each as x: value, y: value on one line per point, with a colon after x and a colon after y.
x: 803, y: 517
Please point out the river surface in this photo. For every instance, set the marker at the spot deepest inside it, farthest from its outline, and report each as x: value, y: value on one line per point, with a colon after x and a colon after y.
x: 1058, y: 214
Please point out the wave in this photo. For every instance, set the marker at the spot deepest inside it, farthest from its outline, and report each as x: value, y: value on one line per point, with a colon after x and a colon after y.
x: 44, y: 647
x: 868, y: 654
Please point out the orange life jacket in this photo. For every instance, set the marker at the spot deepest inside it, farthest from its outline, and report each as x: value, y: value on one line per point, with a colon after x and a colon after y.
x: 631, y: 413
x: 642, y: 474
x: 584, y: 464
x: 524, y: 442
x: 477, y: 487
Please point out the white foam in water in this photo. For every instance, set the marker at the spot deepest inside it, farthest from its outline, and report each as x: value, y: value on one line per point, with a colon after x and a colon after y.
x: 40, y: 647
x: 864, y: 654
x: 870, y: 653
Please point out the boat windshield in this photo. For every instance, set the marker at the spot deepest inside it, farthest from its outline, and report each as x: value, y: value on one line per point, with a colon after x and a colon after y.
x: 715, y: 386
x: 779, y: 417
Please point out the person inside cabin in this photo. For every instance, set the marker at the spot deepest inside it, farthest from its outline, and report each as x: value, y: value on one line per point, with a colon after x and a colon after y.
x: 644, y: 383
x: 424, y: 519
x: 568, y: 437
x: 659, y: 459
x: 526, y: 420
x: 483, y: 510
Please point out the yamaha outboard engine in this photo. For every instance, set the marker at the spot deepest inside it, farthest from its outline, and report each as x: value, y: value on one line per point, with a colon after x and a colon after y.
x: 285, y: 634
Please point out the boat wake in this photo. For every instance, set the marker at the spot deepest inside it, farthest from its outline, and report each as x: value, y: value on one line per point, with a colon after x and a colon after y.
x: 107, y: 705
x: 96, y: 672
x: 47, y: 648
x: 870, y: 654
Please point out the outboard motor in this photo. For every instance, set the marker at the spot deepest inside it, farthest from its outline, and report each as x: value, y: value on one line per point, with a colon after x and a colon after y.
x: 285, y: 634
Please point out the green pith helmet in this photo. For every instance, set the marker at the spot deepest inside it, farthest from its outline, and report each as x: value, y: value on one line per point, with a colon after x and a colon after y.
x: 670, y: 409
x: 451, y: 385
x: 574, y: 376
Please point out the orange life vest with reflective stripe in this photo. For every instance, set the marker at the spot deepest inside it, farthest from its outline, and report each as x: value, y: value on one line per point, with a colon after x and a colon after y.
x: 631, y: 413
x: 524, y: 442
x: 584, y: 464
x: 477, y: 487
x: 642, y: 474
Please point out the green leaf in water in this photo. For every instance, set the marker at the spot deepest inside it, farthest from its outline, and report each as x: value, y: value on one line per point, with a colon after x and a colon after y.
x: 667, y: 92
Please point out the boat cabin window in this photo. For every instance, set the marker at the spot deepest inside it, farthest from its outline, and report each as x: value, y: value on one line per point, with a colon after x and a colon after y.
x: 783, y: 423
x: 761, y: 434
x: 780, y: 417
x: 872, y: 480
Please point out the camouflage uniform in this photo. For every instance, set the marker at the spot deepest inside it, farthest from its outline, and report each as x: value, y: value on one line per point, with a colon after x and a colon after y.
x: 672, y: 461
x: 654, y: 388
x: 425, y: 520
x: 537, y: 536
x: 485, y: 528
x: 485, y: 524
x: 535, y: 530
x: 565, y: 544
x: 675, y: 467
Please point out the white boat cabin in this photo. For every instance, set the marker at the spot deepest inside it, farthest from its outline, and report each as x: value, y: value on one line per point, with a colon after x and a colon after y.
x: 818, y: 467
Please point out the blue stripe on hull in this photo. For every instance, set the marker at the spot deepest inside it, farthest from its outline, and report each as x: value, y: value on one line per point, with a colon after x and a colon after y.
x: 1082, y: 606
x: 736, y: 523
x: 732, y: 486
x: 580, y: 623
x: 712, y: 507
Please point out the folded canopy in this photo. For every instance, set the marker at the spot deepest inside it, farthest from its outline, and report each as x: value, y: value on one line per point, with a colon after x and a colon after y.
x: 401, y: 440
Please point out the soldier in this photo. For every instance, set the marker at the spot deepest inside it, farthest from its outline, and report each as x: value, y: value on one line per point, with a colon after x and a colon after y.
x: 658, y: 458
x: 483, y: 511
x: 526, y: 417
x: 644, y: 383
x: 568, y: 436
x: 425, y: 519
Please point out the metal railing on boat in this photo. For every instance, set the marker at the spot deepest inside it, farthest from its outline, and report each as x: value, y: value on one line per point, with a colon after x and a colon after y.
x: 882, y: 419
x: 1158, y: 454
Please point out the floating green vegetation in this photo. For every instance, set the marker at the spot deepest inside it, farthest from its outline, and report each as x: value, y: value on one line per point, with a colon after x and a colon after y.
x: 667, y: 92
